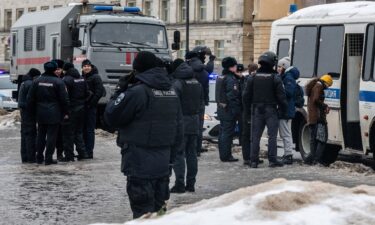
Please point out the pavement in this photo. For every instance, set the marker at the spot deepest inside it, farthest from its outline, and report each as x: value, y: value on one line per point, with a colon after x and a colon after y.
x: 94, y: 191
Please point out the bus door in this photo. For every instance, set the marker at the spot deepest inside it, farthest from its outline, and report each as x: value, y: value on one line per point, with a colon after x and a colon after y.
x: 55, y: 46
x: 350, y: 85
x: 14, y: 53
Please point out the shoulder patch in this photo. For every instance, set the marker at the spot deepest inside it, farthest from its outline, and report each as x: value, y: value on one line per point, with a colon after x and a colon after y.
x: 120, y: 98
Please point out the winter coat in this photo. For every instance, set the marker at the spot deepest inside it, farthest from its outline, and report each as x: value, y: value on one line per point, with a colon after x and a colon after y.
x: 27, y: 112
x: 315, y: 102
x: 49, y: 98
x: 183, y: 72
x: 143, y: 161
x: 202, y: 76
x: 77, y: 89
x: 95, y: 86
x: 289, y: 80
x: 233, y: 96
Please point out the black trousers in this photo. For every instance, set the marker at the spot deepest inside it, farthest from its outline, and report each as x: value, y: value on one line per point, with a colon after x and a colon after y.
x: 316, y: 147
x: 245, y: 138
x: 46, y: 139
x: 147, y: 195
x: 59, y: 142
x: 28, y: 140
x: 72, y: 132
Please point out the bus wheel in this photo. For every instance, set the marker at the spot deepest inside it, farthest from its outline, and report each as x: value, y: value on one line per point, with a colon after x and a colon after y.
x: 330, y: 154
x: 304, y: 141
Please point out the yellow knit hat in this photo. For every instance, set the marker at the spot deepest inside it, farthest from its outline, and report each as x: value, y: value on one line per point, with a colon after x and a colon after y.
x: 327, y: 80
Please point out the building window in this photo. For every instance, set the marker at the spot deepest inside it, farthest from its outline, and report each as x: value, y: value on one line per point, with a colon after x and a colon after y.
x: 200, y: 42
x: 57, y: 6
x: 221, y: 9
x: 44, y: 7
x: 202, y: 9
x: 147, y: 8
x: 40, y: 38
x: 31, y: 9
x: 28, y: 41
x: 181, y: 53
x: 131, y: 3
x: 8, y: 19
x: 19, y: 13
x: 165, y: 10
x: 219, y: 49
x: 182, y: 10
x: 116, y: 2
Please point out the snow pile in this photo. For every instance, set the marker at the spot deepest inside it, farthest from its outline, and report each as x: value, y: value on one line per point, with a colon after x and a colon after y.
x: 105, y: 134
x: 8, y: 120
x: 352, y: 167
x: 278, y: 202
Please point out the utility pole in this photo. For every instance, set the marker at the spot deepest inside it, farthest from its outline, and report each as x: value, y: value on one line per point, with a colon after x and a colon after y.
x: 187, y: 25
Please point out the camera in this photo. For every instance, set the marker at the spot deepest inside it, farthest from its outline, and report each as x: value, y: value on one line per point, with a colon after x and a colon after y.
x: 240, y: 68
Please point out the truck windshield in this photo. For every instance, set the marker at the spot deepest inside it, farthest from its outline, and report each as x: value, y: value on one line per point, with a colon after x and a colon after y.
x: 128, y: 35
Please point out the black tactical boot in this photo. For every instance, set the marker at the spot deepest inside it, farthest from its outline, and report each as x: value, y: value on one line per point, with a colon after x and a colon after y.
x: 275, y: 163
x: 288, y: 159
x: 178, y: 189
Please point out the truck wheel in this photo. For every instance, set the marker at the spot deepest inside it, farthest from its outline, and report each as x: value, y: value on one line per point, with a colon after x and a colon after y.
x: 304, y: 141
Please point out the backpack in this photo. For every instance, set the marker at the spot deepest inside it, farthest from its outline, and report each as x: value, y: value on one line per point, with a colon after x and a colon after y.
x: 299, y: 98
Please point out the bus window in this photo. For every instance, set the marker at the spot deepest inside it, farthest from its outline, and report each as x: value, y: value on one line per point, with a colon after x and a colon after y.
x: 283, y: 48
x: 304, y: 50
x: 369, y: 58
x: 330, y: 50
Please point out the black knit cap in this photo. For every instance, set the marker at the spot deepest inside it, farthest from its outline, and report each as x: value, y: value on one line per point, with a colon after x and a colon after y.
x: 228, y: 62
x: 59, y: 62
x: 50, y: 67
x: 34, y: 72
x: 144, y: 61
x: 68, y: 66
x: 86, y: 62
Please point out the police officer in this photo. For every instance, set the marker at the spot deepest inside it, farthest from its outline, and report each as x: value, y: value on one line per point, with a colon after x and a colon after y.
x: 72, y: 127
x: 90, y: 74
x: 190, y: 93
x: 148, y: 116
x: 229, y: 107
x: 264, y: 96
x: 28, y: 123
x: 50, y: 99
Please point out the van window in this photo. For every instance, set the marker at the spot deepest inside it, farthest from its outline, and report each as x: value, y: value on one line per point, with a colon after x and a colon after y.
x: 304, y: 48
x: 14, y: 44
x: 331, y: 43
x: 28, y: 39
x: 283, y: 48
x: 40, y: 38
x: 369, y: 54
x: 54, y: 47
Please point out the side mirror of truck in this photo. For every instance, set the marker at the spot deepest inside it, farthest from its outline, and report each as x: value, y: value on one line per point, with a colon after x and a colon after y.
x: 77, y: 43
x: 75, y: 33
x: 176, y: 37
x: 175, y: 46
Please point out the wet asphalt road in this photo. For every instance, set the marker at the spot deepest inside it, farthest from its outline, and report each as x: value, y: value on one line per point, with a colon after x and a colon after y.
x: 94, y: 191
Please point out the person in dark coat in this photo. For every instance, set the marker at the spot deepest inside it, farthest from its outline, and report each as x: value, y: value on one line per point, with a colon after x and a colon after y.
x: 229, y: 108
x: 150, y: 128
x: 28, y: 123
x: 95, y: 84
x: 190, y: 93
x: 72, y: 127
x: 264, y: 98
x: 49, y: 98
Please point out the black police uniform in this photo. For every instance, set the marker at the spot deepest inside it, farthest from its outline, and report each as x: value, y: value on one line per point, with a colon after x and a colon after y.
x: 264, y: 96
x: 28, y: 123
x: 148, y: 115
x: 229, y: 113
x: 190, y: 93
x: 50, y: 99
x: 73, y: 126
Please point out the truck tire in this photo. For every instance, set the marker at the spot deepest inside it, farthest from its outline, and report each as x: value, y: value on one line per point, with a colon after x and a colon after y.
x: 304, y: 141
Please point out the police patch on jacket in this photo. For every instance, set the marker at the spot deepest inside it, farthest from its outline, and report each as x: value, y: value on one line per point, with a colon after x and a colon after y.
x: 120, y: 98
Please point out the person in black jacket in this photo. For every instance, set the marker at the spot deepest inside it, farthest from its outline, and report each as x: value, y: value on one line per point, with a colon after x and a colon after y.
x: 95, y: 84
x: 49, y: 98
x: 149, y: 118
x: 229, y: 108
x: 265, y: 99
x: 72, y: 127
x: 28, y: 123
x: 190, y: 93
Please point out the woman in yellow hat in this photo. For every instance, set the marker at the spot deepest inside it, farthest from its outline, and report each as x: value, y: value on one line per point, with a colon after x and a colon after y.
x: 317, y: 111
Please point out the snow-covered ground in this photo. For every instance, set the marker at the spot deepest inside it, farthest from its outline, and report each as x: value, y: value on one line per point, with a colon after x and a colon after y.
x: 279, y: 202
x: 9, y: 119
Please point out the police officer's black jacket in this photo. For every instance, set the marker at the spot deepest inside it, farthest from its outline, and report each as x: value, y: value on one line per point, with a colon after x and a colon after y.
x: 77, y: 89
x: 264, y: 88
x: 95, y: 86
x: 27, y: 113
x: 148, y: 115
x: 49, y: 98
x: 191, y: 97
x: 231, y: 90
x: 201, y: 75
